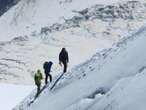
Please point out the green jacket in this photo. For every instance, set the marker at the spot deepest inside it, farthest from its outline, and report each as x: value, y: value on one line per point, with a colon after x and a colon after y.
x: 38, y: 77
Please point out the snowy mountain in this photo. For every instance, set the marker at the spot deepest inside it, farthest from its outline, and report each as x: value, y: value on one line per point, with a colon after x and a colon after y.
x: 24, y: 54
x: 30, y: 15
x: 105, y: 41
x: 113, y: 80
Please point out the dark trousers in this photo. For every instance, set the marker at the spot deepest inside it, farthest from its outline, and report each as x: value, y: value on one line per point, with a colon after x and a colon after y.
x: 46, y: 78
x: 65, y: 66
x: 38, y: 89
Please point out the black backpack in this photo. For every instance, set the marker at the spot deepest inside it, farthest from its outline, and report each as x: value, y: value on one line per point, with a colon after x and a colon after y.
x: 47, y: 66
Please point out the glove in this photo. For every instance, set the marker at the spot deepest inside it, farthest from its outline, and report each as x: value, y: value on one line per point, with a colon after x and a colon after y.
x: 60, y: 64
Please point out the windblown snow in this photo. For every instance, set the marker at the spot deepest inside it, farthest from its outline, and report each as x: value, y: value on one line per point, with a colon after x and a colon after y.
x: 106, y: 45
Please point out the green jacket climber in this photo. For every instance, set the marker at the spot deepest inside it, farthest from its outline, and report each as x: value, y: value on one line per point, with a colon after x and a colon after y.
x: 38, y: 77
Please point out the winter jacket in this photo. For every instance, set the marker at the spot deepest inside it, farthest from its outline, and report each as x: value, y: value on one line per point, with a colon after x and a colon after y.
x: 63, y: 56
x: 38, y: 77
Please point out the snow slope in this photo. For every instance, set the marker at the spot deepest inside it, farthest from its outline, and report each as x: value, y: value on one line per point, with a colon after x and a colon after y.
x: 11, y: 95
x: 31, y: 51
x: 37, y: 38
x: 121, y: 74
x: 124, y: 63
x: 30, y: 15
x: 104, y: 82
x: 128, y: 93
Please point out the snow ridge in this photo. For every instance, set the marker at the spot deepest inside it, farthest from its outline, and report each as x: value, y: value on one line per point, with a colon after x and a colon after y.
x: 103, y: 57
x: 76, y: 28
x: 80, y: 27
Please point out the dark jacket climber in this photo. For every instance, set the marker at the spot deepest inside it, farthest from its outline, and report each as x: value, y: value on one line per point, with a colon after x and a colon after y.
x: 37, y: 78
x: 63, y: 58
x: 47, y: 69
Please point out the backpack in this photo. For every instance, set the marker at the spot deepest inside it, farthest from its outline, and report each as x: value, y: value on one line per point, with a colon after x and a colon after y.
x: 47, y: 66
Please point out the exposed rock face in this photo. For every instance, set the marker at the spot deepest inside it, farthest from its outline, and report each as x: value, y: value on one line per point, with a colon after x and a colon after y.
x: 6, y: 4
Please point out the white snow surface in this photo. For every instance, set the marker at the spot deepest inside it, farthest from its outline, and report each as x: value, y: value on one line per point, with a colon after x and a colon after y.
x: 120, y: 74
x: 113, y: 79
x: 30, y: 15
x: 11, y: 95
x: 26, y: 53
